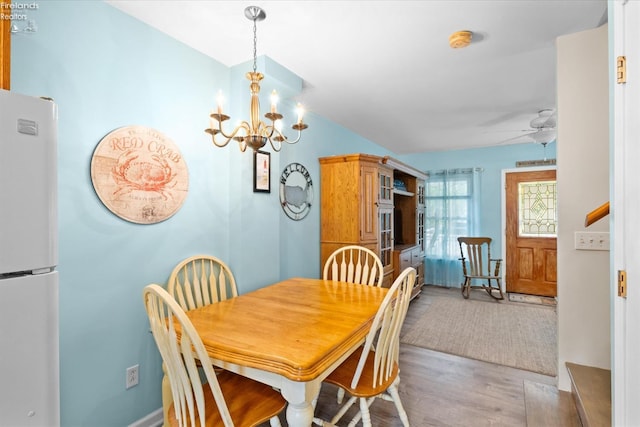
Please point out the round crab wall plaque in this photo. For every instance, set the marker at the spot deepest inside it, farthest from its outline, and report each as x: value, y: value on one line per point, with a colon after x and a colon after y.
x: 139, y: 174
x: 296, y: 191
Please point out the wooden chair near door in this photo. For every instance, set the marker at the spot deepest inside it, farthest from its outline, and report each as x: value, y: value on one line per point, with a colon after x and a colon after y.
x: 373, y: 372
x: 223, y: 399
x: 477, y: 264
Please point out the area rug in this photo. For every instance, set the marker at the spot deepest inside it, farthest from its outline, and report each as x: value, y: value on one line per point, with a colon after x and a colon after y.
x: 517, y: 335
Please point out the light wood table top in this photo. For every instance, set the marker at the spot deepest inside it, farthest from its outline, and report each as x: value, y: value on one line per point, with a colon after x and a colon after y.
x: 296, y: 328
x: 290, y: 335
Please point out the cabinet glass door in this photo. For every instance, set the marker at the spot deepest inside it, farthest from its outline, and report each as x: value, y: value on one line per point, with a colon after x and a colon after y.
x: 420, y: 229
x: 385, y: 181
x: 420, y: 216
x: 385, y: 222
x: 420, y: 193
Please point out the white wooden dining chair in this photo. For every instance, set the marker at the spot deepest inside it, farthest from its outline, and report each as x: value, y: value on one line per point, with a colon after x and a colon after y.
x: 373, y: 372
x: 195, y: 282
x: 225, y: 399
x: 201, y: 280
x: 354, y: 264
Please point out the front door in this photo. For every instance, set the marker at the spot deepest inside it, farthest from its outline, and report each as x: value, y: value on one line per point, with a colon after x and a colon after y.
x: 531, y: 226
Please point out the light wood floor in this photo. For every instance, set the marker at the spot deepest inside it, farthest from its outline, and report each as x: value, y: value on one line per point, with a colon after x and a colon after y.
x: 439, y: 389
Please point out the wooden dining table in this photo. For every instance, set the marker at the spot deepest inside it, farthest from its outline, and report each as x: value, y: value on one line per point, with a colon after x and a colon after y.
x: 289, y: 335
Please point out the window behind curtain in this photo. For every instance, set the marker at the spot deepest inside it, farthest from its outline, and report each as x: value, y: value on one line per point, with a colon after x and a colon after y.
x: 451, y: 211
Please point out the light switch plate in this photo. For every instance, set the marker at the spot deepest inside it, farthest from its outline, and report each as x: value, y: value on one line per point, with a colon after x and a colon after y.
x: 592, y: 240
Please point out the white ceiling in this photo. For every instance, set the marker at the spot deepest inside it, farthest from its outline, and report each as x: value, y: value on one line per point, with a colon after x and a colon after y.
x: 384, y: 69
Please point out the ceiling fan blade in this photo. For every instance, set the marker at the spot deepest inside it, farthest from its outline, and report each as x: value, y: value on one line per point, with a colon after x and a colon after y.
x: 515, y: 138
x: 507, y: 130
x: 543, y: 129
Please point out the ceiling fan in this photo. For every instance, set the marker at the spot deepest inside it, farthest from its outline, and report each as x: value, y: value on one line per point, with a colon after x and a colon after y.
x: 543, y: 128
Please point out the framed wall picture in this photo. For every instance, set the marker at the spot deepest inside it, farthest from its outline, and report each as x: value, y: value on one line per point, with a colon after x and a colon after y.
x: 261, y: 172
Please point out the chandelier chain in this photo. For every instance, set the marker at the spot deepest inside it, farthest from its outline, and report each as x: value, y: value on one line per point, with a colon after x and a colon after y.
x: 255, y: 42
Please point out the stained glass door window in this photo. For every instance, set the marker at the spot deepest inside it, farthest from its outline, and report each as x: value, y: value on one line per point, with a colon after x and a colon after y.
x: 537, y: 214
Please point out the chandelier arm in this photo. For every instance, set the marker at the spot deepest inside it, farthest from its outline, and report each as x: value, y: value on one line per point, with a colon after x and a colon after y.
x: 268, y: 129
x: 282, y: 138
x: 221, y: 144
x: 275, y: 146
x: 213, y: 132
x: 228, y: 137
x: 243, y: 125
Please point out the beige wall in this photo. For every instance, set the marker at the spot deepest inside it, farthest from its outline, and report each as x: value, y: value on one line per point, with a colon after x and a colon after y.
x: 583, y: 185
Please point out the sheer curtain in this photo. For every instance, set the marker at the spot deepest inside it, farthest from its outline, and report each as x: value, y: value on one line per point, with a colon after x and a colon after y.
x: 452, y: 210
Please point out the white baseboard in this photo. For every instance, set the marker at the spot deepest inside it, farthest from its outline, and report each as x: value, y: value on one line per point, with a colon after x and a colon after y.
x: 154, y: 419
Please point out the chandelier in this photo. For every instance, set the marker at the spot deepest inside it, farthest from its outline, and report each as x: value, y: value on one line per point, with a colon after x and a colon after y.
x: 255, y: 133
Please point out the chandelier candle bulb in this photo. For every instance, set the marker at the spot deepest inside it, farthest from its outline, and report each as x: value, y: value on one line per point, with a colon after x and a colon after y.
x: 220, y: 100
x: 300, y: 112
x: 274, y: 101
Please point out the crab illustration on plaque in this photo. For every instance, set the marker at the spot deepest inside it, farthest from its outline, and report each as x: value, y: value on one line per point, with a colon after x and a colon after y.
x: 139, y: 174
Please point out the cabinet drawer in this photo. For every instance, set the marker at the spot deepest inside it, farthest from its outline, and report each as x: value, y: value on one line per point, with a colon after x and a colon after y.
x: 405, y: 260
x: 416, y: 257
x: 406, y: 256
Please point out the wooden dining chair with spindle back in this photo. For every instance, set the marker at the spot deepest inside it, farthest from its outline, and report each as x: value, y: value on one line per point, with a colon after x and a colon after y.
x: 194, y: 282
x: 354, y: 264
x: 200, y: 396
x: 373, y: 372
x: 201, y: 280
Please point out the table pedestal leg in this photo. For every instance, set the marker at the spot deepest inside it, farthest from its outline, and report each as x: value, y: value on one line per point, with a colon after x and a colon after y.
x: 300, y: 397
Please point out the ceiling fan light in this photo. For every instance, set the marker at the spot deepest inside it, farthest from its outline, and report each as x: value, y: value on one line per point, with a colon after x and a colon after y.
x: 543, y: 136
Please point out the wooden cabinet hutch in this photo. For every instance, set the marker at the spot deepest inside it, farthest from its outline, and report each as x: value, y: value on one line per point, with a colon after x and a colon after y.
x: 361, y: 205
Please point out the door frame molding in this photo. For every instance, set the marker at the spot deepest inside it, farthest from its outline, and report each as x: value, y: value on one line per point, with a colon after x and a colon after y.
x: 5, y: 53
x: 503, y: 214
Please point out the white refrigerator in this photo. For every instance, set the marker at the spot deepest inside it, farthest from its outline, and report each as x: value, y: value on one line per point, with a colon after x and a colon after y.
x: 29, y: 355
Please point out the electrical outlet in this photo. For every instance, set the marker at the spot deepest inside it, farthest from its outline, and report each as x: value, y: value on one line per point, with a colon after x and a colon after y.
x: 132, y: 376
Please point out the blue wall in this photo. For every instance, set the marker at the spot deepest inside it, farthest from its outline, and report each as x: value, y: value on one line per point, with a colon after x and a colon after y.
x: 106, y: 70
